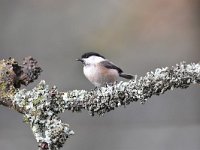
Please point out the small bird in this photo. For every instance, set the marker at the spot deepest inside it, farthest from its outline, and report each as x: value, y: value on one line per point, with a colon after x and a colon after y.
x: 99, y: 70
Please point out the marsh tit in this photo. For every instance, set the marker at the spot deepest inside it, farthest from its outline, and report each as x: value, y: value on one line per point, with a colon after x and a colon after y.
x: 100, y: 71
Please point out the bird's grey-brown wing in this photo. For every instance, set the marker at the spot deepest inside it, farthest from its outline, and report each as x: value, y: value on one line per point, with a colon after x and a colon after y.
x: 110, y: 65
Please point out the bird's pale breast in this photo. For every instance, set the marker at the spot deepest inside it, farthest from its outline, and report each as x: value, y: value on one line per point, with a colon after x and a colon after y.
x: 100, y: 75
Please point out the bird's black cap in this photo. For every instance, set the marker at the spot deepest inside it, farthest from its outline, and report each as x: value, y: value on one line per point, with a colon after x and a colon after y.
x: 88, y: 54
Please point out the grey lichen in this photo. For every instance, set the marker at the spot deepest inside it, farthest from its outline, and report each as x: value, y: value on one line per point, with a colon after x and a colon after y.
x: 42, y: 104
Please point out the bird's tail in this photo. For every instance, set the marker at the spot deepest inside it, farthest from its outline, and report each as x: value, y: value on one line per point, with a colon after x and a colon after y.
x: 126, y: 76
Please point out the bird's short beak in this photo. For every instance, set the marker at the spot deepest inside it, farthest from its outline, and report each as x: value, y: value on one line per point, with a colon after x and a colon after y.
x: 81, y: 60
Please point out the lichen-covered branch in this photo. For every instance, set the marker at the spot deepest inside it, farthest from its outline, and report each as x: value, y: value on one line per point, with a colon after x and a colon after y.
x: 42, y: 104
x: 105, y: 99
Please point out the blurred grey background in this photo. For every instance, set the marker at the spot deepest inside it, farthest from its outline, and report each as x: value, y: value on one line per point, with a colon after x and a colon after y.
x: 139, y: 36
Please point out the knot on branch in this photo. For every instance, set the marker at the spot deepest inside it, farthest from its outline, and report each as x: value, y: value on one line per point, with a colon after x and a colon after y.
x: 13, y: 75
x: 30, y: 71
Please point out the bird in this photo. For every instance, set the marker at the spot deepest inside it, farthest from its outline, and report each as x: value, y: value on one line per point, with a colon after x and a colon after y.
x: 100, y: 71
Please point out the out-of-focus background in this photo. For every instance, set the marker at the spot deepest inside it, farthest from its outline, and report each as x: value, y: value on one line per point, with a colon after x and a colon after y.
x: 139, y: 36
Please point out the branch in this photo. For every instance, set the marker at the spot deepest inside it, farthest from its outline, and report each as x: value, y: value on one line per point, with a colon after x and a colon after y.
x: 42, y: 104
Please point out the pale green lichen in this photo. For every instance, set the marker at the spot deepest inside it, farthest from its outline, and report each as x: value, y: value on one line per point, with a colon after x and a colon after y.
x: 42, y: 116
x: 6, y: 79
